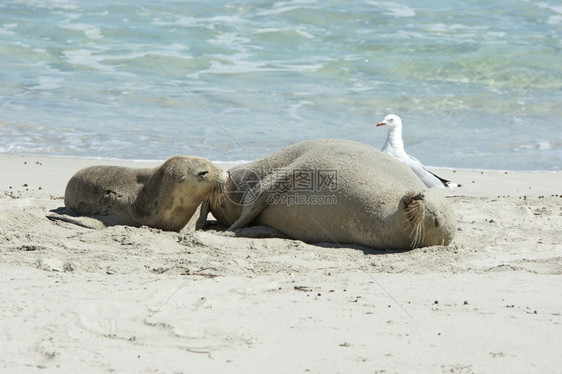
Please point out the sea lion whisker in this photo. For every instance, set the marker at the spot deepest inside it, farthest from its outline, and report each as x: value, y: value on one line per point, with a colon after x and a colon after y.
x: 416, y: 232
x: 415, y: 215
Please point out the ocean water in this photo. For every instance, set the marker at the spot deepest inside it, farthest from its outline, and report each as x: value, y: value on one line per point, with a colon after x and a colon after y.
x: 478, y: 84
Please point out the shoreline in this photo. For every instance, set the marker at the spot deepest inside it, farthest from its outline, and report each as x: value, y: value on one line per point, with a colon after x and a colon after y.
x: 140, y: 300
x: 238, y: 162
x: 20, y: 170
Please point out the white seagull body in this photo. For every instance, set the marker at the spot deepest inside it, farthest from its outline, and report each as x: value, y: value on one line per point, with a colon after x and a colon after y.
x: 394, y: 146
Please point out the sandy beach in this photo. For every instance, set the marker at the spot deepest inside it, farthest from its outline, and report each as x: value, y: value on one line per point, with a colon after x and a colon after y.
x: 140, y: 300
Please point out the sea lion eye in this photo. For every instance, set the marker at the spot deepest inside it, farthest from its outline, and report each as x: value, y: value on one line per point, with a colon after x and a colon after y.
x: 203, y: 174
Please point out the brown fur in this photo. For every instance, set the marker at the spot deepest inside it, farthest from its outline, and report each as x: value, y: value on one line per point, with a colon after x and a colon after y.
x: 164, y: 197
x: 380, y: 202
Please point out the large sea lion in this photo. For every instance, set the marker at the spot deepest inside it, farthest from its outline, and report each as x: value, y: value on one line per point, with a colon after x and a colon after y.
x: 164, y: 197
x: 339, y: 191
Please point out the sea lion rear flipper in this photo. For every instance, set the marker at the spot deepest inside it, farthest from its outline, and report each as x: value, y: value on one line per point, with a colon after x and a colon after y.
x: 94, y: 222
x: 68, y: 215
x: 274, y: 183
x: 250, y: 212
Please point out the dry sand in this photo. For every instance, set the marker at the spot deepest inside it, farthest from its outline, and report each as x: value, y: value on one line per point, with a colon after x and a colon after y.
x: 139, y: 300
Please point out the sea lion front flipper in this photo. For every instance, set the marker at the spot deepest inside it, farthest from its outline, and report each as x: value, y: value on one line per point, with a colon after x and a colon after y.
x: 204, y: 209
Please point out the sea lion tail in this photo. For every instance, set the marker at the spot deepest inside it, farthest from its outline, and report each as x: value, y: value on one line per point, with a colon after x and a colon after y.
x: 414, y: 210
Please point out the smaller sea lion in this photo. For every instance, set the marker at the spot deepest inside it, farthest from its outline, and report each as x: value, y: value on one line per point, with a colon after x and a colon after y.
x: 165, y: 197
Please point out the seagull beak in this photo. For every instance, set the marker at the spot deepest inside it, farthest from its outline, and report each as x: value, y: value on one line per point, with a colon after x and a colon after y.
x: 381, y: 124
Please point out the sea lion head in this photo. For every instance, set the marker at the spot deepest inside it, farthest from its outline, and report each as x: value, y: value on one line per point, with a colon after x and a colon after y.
x: 176, y: 189
x: 196, y: 173
x: 429, y: 218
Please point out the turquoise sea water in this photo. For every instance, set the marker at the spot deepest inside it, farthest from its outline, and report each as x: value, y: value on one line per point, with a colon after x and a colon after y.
x: 478, y: 84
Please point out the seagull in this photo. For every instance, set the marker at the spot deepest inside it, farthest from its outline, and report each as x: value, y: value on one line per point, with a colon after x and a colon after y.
x: 394, y: 146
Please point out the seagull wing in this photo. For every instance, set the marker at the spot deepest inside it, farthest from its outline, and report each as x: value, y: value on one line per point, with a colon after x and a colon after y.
x: 443, y: 180
x: 427, y: 177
